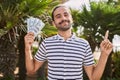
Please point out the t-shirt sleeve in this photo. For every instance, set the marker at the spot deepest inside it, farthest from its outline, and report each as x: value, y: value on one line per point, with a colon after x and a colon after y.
x: 89, y: 59
x: 41, y: 53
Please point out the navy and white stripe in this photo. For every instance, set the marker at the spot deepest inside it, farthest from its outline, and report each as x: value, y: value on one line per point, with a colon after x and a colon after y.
x: 65, y: 58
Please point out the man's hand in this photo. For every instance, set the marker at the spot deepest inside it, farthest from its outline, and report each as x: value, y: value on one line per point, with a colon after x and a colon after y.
x: 106, y: 46
x: 29, y: 39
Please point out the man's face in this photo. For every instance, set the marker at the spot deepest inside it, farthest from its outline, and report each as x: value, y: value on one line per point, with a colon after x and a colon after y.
x: 62, y: 19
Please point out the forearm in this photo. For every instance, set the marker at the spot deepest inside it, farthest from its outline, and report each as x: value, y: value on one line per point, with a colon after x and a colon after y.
x: 99, y: 69
x: 29, y: 61
x: 31, y: 65
x: 106, y: 47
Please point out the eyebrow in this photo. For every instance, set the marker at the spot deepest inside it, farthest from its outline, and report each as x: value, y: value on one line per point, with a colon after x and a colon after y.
x: 57, y: 15
x: 64, y: 13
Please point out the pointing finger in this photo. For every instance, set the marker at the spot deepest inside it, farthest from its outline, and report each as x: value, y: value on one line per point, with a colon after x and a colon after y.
x: 106, y: 35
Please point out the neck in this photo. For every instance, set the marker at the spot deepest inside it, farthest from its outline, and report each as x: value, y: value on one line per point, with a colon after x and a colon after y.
x: 65, y: 34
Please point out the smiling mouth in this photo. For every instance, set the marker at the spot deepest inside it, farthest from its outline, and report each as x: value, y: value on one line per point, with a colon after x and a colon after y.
x: 64, y: 21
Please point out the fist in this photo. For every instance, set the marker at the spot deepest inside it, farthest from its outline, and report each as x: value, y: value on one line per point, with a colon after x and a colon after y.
x: 29, y: 39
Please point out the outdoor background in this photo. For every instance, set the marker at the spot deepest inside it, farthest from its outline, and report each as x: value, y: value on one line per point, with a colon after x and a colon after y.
x: 91, y: 20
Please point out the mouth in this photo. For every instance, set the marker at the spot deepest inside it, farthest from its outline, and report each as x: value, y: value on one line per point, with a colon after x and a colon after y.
x: 64, y: 21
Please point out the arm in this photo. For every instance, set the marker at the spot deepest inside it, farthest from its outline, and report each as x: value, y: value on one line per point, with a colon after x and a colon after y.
x: 95, y: 72
x: 31, y: 65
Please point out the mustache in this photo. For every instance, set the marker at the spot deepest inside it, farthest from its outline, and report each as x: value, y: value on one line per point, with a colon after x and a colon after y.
x: 64, y: 21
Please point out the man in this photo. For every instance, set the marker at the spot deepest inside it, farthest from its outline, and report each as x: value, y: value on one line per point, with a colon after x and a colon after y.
x: 66, y: 54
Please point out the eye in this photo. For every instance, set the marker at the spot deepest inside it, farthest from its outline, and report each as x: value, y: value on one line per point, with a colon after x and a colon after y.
x: 58, y: 16
x: 66, y: 14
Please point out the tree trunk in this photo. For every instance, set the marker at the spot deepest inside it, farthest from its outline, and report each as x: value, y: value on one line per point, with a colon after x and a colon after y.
x: 108, y: 69
x: 8, y: 58
x: 92, y: 43
x: 21, y: 63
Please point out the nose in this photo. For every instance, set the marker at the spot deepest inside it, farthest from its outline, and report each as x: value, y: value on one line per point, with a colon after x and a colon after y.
x: 63, y: 17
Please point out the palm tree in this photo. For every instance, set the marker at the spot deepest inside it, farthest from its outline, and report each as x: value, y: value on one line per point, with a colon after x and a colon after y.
x: 100, y: 18
x: 12, y: 30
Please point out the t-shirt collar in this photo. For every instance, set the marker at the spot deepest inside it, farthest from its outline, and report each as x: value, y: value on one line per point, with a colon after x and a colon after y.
x: 61, y: 38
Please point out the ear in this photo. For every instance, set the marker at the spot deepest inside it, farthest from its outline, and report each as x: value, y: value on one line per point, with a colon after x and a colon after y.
x: 53, y: 23
x: 71, y: 19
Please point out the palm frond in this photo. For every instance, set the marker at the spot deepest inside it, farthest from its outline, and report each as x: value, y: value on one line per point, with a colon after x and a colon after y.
x: 100, y: 18
x: 15, y: 12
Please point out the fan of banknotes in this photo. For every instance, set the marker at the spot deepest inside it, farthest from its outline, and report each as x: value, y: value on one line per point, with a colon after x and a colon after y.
x: 34, y: 25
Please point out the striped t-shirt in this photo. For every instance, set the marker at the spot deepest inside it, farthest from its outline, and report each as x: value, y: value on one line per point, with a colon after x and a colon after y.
x: 66, y: 58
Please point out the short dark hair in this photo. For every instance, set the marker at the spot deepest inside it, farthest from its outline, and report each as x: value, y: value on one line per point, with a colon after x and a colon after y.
x: 55, y: 9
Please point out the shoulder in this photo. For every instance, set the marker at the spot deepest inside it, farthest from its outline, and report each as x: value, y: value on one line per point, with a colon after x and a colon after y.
x: 50, y: 39
x: 81, y: 40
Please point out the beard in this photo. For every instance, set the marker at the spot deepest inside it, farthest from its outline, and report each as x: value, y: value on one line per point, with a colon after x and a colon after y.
x: 64, y: 27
